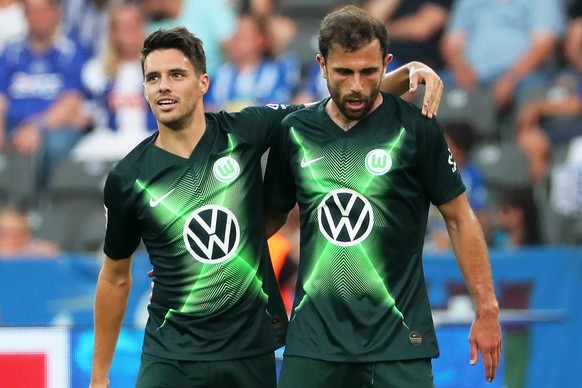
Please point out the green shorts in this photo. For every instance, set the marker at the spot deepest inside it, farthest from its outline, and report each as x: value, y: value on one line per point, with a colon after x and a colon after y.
x: 300, y: 372
x: 155, y: 372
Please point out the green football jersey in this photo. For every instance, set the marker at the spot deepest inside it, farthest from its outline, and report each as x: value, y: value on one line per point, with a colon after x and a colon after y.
x: 201, y: 220
x: 364, y: 197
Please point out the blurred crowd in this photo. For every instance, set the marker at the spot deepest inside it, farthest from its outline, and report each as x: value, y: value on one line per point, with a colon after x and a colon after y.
x: 71, y: 90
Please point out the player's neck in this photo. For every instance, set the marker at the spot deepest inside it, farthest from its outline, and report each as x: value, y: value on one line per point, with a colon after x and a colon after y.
x: 342, y: 121
x: 338, y: 118
x: 181, y: 142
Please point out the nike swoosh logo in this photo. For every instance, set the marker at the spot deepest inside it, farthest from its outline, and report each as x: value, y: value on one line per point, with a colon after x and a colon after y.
x: 159, y: 200
x: 305, y: 163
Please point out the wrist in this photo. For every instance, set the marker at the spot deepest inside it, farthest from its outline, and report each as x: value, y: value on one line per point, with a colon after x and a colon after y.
x: 490, y: 310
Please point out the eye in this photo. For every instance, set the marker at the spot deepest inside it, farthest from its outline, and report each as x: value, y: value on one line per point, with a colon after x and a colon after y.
x: 151, y: 78
x: 369, y: 71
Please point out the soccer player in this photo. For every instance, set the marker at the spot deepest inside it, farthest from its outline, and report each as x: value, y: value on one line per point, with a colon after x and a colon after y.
x: 192, y: 192
x: 364, y: 167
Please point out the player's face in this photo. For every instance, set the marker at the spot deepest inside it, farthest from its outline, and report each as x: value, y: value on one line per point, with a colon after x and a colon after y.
x: 353, y: 78
x: 172, y: 88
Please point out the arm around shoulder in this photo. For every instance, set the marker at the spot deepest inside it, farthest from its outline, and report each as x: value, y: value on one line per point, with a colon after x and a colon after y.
x: 407, y: 78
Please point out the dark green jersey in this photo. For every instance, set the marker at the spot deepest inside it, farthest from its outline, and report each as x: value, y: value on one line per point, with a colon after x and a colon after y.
x: 364, y: 197
x: 202, y: 222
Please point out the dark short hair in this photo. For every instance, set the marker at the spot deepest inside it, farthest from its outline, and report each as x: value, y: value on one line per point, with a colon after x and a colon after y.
x: 461, y: 133
x: 176, y: 38
x: 352, y: 28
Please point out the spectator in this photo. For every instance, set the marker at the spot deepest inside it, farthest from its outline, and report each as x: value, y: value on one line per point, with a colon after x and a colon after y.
x: 415, y: 28
x: 282, y: 29
x: 517, y: 223
x: 86, y: 22
x: 505, y: 45
x: 17, y: 239
x: 573, y: 40
x: 114, y: 81
x: 212, y: 21
x: 460, y: 137
x: 251, y: 75
x: 12, y: 21
x: 40, y: 89
x: 554, y: 120
x: 517, y: 227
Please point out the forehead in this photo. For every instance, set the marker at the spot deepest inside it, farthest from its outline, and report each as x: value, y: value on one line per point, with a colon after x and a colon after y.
x: 164, y: 60
x: 367, y: 56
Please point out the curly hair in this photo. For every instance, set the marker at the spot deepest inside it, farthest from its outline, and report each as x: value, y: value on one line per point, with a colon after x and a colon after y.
x: 352, y: 28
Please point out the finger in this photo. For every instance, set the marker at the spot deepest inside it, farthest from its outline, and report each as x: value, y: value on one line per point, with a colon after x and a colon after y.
x: 490, y: 366
x: 151, y: 273
x: 473, y: 353
x: 413, y: 85
x: 436, y: 98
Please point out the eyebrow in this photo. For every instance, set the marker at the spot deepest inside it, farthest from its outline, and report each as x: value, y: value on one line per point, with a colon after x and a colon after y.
x: 172, y: 70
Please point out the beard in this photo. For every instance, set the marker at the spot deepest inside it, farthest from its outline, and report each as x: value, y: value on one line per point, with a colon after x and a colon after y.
x: 342, y: 102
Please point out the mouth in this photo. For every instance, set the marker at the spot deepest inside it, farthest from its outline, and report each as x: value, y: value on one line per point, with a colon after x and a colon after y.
x: 355, y: 104
x: 166, y: 103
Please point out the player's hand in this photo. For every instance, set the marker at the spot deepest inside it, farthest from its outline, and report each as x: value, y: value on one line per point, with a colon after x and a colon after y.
x: 422, y: 74
x: 151, y: 275
x: 485, y: 337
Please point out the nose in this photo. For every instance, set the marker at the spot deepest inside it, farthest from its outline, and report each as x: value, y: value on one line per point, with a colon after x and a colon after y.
x: 356, y: 86
x: 164, y: 84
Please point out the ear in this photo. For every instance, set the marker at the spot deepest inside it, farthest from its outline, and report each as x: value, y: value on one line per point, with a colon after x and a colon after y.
x: 204, y: 83
x: 321, y: 61
x: 387, y: 60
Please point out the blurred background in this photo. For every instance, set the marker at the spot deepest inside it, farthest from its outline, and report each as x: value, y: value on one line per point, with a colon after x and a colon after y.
x: 71, y: 105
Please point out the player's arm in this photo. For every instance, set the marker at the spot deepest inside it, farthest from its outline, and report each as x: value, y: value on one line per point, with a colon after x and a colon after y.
x: 113, y: 286
x: 274, y: 221
x: 471, y: 254
x: 407, y: 78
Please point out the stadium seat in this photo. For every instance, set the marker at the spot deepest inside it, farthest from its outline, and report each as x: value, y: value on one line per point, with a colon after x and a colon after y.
x: 503, y: 164
x: 17, y: 180
x: 71, y: 209
x: 475, y: 107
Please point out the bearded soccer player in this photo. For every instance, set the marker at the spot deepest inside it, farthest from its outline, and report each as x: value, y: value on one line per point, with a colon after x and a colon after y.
x: 192, y: 192
x: 364, y: 167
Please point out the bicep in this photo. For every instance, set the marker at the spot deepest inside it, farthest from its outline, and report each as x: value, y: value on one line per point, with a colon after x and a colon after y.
x: 456, y: 210
x: 116, y: 271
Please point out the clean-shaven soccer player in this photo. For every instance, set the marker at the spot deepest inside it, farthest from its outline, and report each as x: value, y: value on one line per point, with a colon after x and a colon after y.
x: 192, y: 193
x: 364, y: 168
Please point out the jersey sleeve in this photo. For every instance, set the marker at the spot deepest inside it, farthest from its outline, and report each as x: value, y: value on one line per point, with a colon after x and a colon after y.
x: 437, y: 168
x: 279, y: 184
x: 264, y: 121
x: 122, y: 235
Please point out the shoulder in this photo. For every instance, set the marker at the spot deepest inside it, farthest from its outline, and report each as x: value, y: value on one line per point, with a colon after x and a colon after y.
x: 409, y: 117
x: 128, y: 167
x: 306, y: 113
x: 13, y: 50
x: 69, y: 51
x: 254, y: 114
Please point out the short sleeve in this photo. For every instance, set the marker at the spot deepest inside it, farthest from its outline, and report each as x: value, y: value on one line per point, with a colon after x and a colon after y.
x: 438, y: 170
x: 122, y: 235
